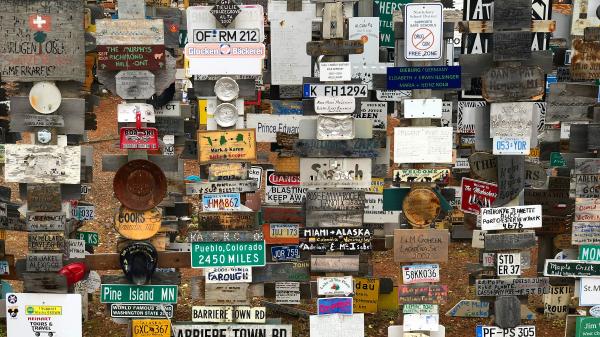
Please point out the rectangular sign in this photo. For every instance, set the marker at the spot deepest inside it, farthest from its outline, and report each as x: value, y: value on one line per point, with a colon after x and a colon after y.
x: 514, y: 217
x: 423, y: 28
x: 366, y: 294
x: 141, y: 310
x: 374, y: 213
x: 335, y: 286
x: 228, y: 275
x: 47, y: 164
x: 317, y: 90
x: 46, y: 221
x: 334, y: 305
x: 228, y: 254
x: 113, y: 58
x: 335, y: 71
x: 421, y: 273
x: 423, y: 145
x: 229, y: 314
x: 44, y: 262
x: 512, y: 287
x: 585, y: 233
x: 267, y: 126
x: 151, y: 328
x: 335, y: 172
x: 428, y: 294
x: 125, y: 293
x: 283, y: 189
x: 46, y: 241
x: 589, y: 253
x: 335, y: 200
x: 287, y: 292
x: 225, y: 59
x: 335, y: 239
x: 215, y: 146
x: 411, y: 78
x: 508, y: 264
x: 589, y: 292
x: 571, y: 268
x: 587, y: 209
x: 225, y: 186
x: 285, y: 253
x: 130, y: 32
x: 494, y: 331
x: 477, y: 195
x: 511, y: 145
x: 226, y: 36
x: 232, y: 330
x: 281, y: 233
x: 421, y: 245
x: 221, y: 202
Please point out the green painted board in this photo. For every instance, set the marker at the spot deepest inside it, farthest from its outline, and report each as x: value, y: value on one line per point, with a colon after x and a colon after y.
x: 587, y: 327
x: 90, y: 238
x: 384, y: 9
x: 589, y: 253
x: 125, y: 293
x: 228, y: 254
x: 556, y: 160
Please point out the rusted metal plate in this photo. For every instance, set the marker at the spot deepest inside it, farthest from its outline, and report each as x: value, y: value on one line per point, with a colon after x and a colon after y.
x: 228, y: 221
x: 334, y: 47
x: 585, y: 62
x: 509, y: 84
x: 132, y: 57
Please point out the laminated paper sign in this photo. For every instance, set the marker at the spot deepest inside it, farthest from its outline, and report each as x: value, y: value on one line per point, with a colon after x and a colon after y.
x: 423, y: 145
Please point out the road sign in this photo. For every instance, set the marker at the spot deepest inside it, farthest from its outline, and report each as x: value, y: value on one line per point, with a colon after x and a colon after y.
x: 423, y: 28
x: 126, y: 293
x: 141, y: 310
x: 226, y: 254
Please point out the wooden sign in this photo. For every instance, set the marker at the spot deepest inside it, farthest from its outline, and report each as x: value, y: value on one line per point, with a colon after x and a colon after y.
x: 355, y: 148
x: 585, y: 233
x: 137, y: 225
x: 484, y: 166
x: 272, y: 214
x: 571, y: 268
x: 129, y: 32
x: 352, y: 218
x: 225, y: 236
x: 230, y: 220
x: 280, y: 233
x: 513, y: 83
x: 587, y: 209
x: 515, y: 217
x: 421, y: 175
x: 229, y: 314
x: 584, y: 61
x: 43, y: 198
x: 135, y: 84
x: 132, y: 57
x: 511, y: 178
x: 335, y: 286
x: 570, y: 101
x: 429, y: 294
x: 228, y: 275
x: 335, y: 239
x: 335, y: 200
x: 226, y: 186
x: 46, y: 221
x: 334, y: 47
x: 335, y: 173
x: 421, y: 245
x: 511, y: 46
x: 554, y: 202
x: 512, y: 287
x: 470, y: 308
x: 48, y: 164
x: 215, y: 146
x: 44, y: 262
x: 334, y: 264
x: 46, y: 241
x: 505, y: 241
x: 366, y: 292
x: 282, y: 272
x: 44, y: 41
x: 228, y: 171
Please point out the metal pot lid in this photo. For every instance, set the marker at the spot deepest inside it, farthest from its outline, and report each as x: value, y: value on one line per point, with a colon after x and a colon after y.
x: 227, y: 89
x: 226, y: 115
x: 421, y: 207
x: 45, y: 97
x: 140, y: 185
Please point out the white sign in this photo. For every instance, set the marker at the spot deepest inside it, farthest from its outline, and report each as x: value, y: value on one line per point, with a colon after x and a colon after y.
x: 398, y: 331
x: 316, y: 90
x: 335, y: 71
x: 337, y: 325
x: 283, y: 189
x: 421, y: 322
x: 171, y: 109
x: 35, y: 315
x: 226, y: 36
x: 508, y: 264
x: 374, y: 212
x: 375, y: 111
x: 225, y: 58
x: 513, y: 217
x: 228, y: 314
x: 365, y: 29
x: 335, y: 104
x: 422, y: 108
x: 447, y: 113
x: 228, y: 275
x: 393, y: 95
x: 335, y: 172
x: 130, y: 32
x: 232, y: 330
x: 511, y: 145
x: 199, y: 18
x: 75, y: 248
x: 287, y: 292
x: 267, y: 126
x: 494, y: 331
x: 589, y: 291
x: 423, y: 31
x: 127, y: 112
x: 421, y: 273
x: 335, y: 286
x: 422, y: 145
x: 37, y: 164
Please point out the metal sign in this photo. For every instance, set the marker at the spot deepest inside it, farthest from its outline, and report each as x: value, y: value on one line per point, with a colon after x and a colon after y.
x: 319, y: 90
x: 218, y: 146
x: 268, y: 126
x: 584, y: 62
x: 151, y: 328
x: 229, y: 314
x: 335, y: 173
x: 135, y: 84
x: 46, y: 221
x: 132, y: 57
x: 288, y: 253
x: 130, y: 32
x: 138, y: 138
x: 225, y: 58
x: 571, y: 268
x: 335, y: 127
x: 283, y: 189
x: 423, y: 30
x: 225, y: 11
x: 334, y: 47
x: 235, y: 274
x: 421, y: 245
x: 221, y: 202
x: 512, y: 287
x: 132, y: 294
x: 420, y: 273
x: 232, y: 330
x: 228, y: 254
x: 141, y: 310
x: 44, y: 262
x: 476, y: 195
x: 423, y: 145
x: 225, y: 186
x: 494, y: 331
x: 411, y: 78
x: 508, y: 264
x: 226, y: 36
x: 127, y: 112
x: 48, y: 164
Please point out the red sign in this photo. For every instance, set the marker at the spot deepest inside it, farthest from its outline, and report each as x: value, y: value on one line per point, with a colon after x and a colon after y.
x: 139, y: 138
x: 40, y: 23
x: 477, y: 195
x: 274, y: 179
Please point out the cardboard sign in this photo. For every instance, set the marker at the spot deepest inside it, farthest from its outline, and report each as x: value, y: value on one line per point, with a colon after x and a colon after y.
x: 433, y: 294
x: 116, y: 57
x: 283, y: 189
x: 129, y: 32
x: 335, y: 104
x: 335, y: 239
x: 136, y: 225
x: 221, y: 202
x: 229, y: 314
x: 222, y: 254
x: 228, y: 275
x: 423, y: 28
x: 422, y: 145
x: 571, y: 268
x: 34, y: 315
x: 515, y: 217
x: 126, y: 294
x: 512, y: 287
x: 508, y: 264
x: 141, y: 310
x: 366, y: 291
x: 420, y: 273
x: 47, y: 164
x: 46, y: 241
x: 287, y: 292
x: 476, y: 195
x: 135, y: 84
x: 278, y: 233
x: 44, y: 41
x: 334, y: 305
x: 335, y: 286
x: 232, y: 330
x: 411, y: 78
x: 215, y: 146
x: 335, y: 173
x: 421, y: 245
x: 267, y: 126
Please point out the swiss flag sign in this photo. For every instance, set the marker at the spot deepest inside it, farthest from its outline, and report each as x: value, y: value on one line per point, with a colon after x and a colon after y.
x: 39, y: 22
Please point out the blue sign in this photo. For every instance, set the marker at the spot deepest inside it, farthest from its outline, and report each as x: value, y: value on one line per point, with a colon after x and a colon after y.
x: 549, y: 80
x: 287, y: 107
x: 334, y: 305
x: 436, y: 78
x: 285, y: 253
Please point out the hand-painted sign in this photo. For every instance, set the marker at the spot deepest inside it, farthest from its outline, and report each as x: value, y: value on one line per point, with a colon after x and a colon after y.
x: 117, y: 57
x: 215, y: 146
x: 228, y: 275
x: 335, y: 286
x: 335, y: 239
x: 125, y: 293
x: 141, y: 310
x: 151, y: 328
x: 512, y: 287
x: 420, y: 273
x: 229, y: 314
x: 587, y: 209
x: 571, y: 268
x: 48, y: 164
x: 334, y: 305
x: 515, y: 217
x: 46, y: 221
x: 421, y: 245
x: 507, y: 83
x: 228, y: 254
x: 411, y: 78
x: 413, y: 293
x: 477, y: 195
x: 46, y: 241
x: 283, y: 189
x: 421, y: 175
x: 335, y: 173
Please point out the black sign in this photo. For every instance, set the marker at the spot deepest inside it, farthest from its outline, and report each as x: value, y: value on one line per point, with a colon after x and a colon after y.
x: 335, y: 239
x: 225, y: 11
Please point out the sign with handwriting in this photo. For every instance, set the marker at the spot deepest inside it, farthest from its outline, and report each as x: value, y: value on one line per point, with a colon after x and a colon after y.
x: 215, y: 146
x: 422, y: 145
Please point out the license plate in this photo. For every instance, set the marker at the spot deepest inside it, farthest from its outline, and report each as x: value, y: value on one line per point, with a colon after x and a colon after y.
x: 511, y: 145
x: 494, y: 331
x: 221, y: 202
x: 315, y: 90
x: 143, y: 138
x: 226, y: 35
x: 285, y: 253
x: 83, y: 213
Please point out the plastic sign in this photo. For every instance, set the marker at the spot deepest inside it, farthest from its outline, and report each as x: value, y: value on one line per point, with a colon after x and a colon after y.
x: 423, y: 27
x: 139, y: 138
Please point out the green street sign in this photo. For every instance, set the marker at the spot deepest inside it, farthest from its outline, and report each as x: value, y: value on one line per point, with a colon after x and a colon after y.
x: 556, y: 160
x: 228, y: 254
x: 385, y: 9
x: 587, y: 326
x: 589, y: 253
x: 126, y: 293
x: 90, y: 238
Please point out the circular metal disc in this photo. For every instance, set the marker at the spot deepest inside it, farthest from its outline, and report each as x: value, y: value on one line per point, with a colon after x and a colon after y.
x: 227, y: 89
x: 421, y: 207
x: 140, y: 185
x: 226, y: 115
x: 45, y: 97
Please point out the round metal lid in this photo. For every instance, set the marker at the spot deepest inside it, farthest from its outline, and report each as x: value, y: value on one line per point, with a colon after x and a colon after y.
x: 421, y: 207
x: 45, y: 97
x: 137, y: 225
x: 227, y: 89
x: 140, y: 185
x: 226, y: 115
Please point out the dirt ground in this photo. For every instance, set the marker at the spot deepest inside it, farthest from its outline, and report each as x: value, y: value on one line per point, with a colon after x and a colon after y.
x: 453, y: 273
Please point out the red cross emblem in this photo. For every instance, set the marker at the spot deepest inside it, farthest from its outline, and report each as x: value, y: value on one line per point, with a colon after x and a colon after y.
x: 39, y: 22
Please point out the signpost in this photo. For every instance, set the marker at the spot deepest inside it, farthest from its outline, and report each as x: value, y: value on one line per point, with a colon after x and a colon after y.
x: 221, y: 254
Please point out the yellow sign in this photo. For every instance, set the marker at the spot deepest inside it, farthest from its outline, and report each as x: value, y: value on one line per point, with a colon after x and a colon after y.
x: 534, y: 152
x: 366, y: 294
x: 388, y: 301
x: 151, y: 328
x: 137, y: 225
x: 43, y: 310
x: 377, y: 185
x: 2, y: 234
x: 219, y: 146
x: 203, y: 111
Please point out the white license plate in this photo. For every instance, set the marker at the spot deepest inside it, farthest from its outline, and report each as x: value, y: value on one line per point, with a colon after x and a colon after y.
x: 226, y: 35
x: 356, y: 90
x: 511, y: 145
x: 494, y: 331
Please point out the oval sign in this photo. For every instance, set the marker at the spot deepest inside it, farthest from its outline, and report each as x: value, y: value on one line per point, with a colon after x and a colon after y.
x: 421, y: 207
x: 335, y: 104
x: 137, y: 225
x: 595, y: 311
x: 563, y: 241
x: 45, y: 97
x: 484, y: 166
